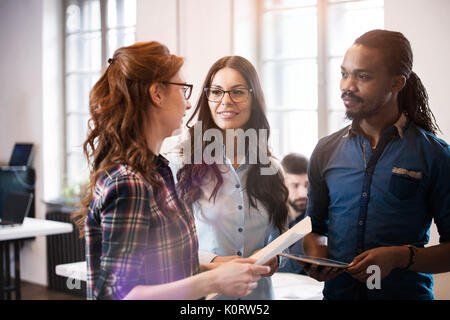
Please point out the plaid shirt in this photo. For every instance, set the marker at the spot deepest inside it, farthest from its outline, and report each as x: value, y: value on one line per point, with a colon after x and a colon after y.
x: 130, y: 241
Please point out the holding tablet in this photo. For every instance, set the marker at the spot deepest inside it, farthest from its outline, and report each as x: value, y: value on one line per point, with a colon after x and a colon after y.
x: 316, y: 261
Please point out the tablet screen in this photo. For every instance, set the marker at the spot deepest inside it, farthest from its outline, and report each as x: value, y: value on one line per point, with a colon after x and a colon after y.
x: 317, y: 261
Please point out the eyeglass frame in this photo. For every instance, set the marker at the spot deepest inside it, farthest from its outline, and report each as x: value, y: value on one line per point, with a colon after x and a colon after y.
x: 190, y: 87
x: 250, y: 91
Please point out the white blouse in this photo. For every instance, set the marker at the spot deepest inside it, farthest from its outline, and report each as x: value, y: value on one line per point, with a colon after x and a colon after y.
x: 230, y: 225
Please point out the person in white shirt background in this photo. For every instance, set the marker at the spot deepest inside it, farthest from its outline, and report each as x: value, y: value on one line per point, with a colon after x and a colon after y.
x: 236, y: 204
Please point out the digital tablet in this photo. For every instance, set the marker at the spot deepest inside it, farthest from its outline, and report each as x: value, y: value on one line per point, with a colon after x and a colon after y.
x: 317, y: 261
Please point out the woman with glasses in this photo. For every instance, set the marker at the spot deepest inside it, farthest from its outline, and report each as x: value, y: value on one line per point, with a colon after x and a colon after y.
x: 141, y: 241
x: 236, y: 205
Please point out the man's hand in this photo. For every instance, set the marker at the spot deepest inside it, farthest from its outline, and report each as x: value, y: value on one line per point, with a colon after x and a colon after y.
x: 320, y: 273
x: 386, y: 258
x: 316, y: 245
x: 272, y: 263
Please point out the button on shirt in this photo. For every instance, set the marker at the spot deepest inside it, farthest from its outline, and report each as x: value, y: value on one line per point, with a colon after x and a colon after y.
x: 229, y: 225
x: 361, y: 202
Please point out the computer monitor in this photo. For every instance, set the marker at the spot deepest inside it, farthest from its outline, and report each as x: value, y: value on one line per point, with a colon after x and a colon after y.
x: 17, y: 207
x: 21, y: 155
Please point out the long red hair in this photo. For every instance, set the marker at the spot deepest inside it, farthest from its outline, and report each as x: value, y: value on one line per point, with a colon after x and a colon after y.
x: 119, y: 104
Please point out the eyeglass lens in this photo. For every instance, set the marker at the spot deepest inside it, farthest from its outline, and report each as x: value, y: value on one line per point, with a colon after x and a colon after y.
x: 187, y: 92
x: 237, y: 95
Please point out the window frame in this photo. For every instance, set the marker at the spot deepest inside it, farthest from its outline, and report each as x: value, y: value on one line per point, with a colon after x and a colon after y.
x: 104, y: 29
x: 323, y: 108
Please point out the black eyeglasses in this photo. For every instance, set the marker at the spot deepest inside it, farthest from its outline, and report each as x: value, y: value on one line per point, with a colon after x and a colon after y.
x: 237, y: 95
x: 187, y: 88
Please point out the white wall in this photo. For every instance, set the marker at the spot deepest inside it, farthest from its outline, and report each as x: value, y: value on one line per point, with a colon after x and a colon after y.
x: 200, y: 31
x: 30, y: 104
x: 426, y: 24
x: 21, y: 105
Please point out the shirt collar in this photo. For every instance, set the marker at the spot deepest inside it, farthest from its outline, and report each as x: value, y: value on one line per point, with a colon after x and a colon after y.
x: 401, y: 126
x: 242, y: 160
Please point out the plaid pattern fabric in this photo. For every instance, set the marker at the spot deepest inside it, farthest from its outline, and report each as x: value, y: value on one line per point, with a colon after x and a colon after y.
x: 130, y: 240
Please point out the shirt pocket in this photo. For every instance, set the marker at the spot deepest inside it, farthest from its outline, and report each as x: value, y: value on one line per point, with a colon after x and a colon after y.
x: 403, y: 187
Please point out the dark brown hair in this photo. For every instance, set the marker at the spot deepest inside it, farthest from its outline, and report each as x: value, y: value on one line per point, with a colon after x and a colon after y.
x: 119, y: 103
x: 295, y: 163
x: 268, y: 189
x: 413, y: 98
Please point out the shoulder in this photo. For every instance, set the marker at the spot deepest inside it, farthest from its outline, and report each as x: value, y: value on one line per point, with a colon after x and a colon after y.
x: 430, y: 144
x: 331, y: 141
x: 120, y: 181
x: 123, y: 174
x: 327, y: 146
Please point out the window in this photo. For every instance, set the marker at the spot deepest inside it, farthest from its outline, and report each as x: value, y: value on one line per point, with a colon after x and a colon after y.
x: 302, y: 46
x: 94, y: 29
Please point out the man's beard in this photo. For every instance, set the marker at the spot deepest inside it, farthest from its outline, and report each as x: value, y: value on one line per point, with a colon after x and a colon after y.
x: 363, y: 113
x: 299, y: 207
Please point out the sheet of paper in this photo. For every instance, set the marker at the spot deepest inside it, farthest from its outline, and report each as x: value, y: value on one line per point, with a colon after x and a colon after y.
x: 283, y: 241
x: 277, y: 246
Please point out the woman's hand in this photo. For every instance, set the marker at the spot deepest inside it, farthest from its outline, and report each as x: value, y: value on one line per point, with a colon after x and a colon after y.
x: 221, y: 259
x: 239, y: 277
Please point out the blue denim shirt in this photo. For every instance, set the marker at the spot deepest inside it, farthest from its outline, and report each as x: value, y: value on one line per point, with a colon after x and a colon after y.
x: 361, y: 202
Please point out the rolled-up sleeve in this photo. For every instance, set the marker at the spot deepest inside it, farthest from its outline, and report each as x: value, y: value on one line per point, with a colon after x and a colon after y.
x: 125, y: 233
x: 440, y: 195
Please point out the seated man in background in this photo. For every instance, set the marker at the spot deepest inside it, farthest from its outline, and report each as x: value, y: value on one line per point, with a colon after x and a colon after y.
x: 296, y: 179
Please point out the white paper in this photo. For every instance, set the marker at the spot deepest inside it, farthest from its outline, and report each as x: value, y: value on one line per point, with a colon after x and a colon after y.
x: 277, y: 246
x: 284, y: 241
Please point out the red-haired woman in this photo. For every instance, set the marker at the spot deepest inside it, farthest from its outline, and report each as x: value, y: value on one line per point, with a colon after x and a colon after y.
x: 141, y: 241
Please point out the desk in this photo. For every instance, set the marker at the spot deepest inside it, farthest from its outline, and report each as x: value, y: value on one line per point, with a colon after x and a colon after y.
x: 291, y: 286
x: 76, y: 270
x: 14, y: 235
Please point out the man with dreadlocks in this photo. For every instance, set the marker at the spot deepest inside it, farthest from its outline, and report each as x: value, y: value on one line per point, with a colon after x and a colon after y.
x: 376, y: 185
